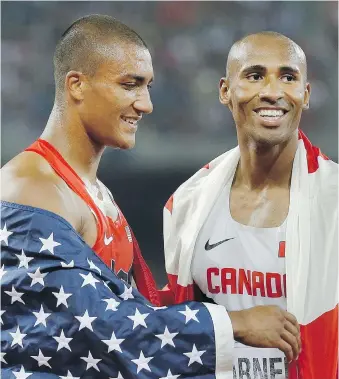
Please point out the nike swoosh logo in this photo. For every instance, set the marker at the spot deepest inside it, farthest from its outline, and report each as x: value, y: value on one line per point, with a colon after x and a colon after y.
x: 213, y: 245
x: 107, y: 241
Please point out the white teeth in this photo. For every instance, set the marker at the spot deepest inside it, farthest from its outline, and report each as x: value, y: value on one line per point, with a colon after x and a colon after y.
x: 129, y: 120
x: 270, y: 113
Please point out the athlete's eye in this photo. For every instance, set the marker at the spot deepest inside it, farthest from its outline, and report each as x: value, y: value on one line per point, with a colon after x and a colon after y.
x: 254, y: 77
x: 288, y: 78
x: 129, y: 85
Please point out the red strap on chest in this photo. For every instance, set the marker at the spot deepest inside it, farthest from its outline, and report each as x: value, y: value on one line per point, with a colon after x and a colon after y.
x: 72, y: 179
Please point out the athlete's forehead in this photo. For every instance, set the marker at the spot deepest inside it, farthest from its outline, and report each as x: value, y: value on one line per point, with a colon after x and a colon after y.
x: 127, y: 60
x: 270, y: 52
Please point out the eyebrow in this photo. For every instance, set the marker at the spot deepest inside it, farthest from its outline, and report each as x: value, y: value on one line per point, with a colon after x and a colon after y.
x: 261, y: 69
x: 137, y: 78
x: 293, y: 70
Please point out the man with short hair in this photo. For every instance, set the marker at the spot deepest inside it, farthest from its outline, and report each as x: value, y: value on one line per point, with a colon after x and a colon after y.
x: 256, y: 229
x: 65, y: 243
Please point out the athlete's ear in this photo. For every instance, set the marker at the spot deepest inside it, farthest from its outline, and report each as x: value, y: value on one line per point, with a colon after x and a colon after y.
x: 224, y: 92
x: 307, y: 95
x: 75, y: 83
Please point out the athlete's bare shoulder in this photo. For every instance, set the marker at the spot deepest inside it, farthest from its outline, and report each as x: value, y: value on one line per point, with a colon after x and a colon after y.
x: 28, y: 179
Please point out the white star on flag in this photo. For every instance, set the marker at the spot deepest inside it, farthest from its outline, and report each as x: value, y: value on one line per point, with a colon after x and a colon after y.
x: 138, y: 318
x: 170, y: 376
x: 114, y: 343
x: 195, y: 355
x: 17, y: 337
x: 42, y: 361
x: 156, y: 308
x: 166, y: 338
x: 118, y: 377
x: 22, y: 374
x: 112, y: 304
x: 2, y: 271
x: 69, y: 376
x: 41, y: 317
x: 2, y: 359
x: 37, y: 277
x: 62, y: 296
x: 142, y: 362
x: 91, y: 362
x: 48, y: 244
x: 190, y: 314
x: 67, y: 265
x: 16, y: 296
x: 85, y: 321
x: 63, y: 341
x: 89, y: 279
x: 93, y: 266
x: 1, y: 313
x: 23, y: 259
x: 127, y: 294
x: 4, y: 234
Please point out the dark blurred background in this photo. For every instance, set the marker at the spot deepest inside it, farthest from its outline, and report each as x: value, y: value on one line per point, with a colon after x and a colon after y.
x: 189, y: 42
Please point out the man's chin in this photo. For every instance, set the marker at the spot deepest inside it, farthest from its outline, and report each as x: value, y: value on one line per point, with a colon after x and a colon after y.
x: 272, y: 137
x: 123, y: 144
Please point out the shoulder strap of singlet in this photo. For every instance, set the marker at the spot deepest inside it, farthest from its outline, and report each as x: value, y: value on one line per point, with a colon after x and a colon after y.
x: 143, y: 276
x: 66, y: 172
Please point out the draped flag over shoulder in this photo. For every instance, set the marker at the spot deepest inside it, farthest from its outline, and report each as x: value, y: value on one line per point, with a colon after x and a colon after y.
x: 311, y: 248
x: 65, y: 314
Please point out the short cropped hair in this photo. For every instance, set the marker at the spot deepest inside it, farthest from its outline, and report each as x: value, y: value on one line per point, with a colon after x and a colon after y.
x: 80, y: 45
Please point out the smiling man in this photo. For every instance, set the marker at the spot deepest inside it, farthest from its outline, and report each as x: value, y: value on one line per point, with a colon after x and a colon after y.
x: 256, y: 229
x: 68, y: 255
x: 266, y: 90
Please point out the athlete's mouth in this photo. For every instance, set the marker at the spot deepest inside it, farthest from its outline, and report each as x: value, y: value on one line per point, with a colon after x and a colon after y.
x: 130, y: 120
x: 271, y: 113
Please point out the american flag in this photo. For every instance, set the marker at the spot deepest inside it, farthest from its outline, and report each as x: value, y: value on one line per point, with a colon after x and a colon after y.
x: 64, y: 313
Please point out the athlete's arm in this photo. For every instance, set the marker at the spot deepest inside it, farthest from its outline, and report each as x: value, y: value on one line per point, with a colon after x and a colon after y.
x: 267, y: 326
x: 263, y: 326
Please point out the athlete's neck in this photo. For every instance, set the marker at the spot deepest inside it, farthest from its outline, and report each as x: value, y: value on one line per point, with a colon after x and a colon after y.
x: 66, y: 133
x: 264, y: 166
